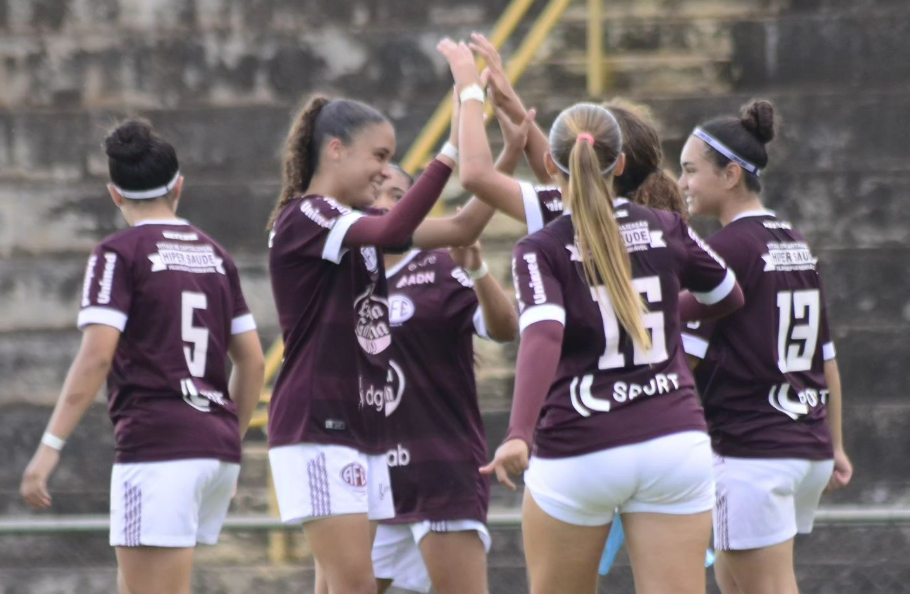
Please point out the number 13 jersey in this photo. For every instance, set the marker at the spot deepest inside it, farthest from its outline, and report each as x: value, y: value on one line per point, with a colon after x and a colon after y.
x: 762, y: 377
x: 175, y: 296
x: 607, y: 391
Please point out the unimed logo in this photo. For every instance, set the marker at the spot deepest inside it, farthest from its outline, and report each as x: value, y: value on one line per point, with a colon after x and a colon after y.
x: 355, y: 475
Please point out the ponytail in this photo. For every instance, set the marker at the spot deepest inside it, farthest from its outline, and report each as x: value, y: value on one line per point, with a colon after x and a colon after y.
x: 300, y: 156
x: 602, y: 249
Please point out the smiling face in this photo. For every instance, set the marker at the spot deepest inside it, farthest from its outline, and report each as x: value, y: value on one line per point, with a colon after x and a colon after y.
x: 392, y: 189
x: 364, y: 164
x: 704, y: 185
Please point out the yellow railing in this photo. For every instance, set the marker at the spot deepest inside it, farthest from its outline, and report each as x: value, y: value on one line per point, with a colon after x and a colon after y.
x: 429, y: 138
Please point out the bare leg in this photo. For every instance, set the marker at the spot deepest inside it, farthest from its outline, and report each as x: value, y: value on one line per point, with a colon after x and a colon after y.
x: 668, y: 551
x: 155, y: 570
x: 456, y: 561
x: 341, y: 547
x: 724, y: 576
x: 768, y: 570
x: 561, y: 557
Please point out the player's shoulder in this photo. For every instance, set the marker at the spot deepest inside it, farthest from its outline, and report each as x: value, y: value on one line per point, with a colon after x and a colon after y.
x: 556, y: 232
x: 315, y: 208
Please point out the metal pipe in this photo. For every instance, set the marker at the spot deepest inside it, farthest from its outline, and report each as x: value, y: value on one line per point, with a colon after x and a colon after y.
x: 595, y: 48
x: 503, y: 517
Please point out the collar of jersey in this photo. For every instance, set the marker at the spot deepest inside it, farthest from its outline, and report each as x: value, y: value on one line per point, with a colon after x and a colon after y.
x: 616, y: 202
x: 754, y: 213
x: 162, y: 222
x: 404, y: 262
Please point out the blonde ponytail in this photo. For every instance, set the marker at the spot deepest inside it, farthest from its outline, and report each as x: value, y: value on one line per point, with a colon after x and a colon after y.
x: 601, y: 248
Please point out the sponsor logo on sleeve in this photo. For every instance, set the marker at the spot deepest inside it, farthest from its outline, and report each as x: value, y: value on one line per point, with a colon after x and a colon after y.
x: 310, y: 209
x: 354, y: 475
x: 789, y: 257
x: 107, y: 278
x: 199, y: 259
x: 373, y: 332
x: 539, y: 292
x: 87, y: 284
x: 462, y: 277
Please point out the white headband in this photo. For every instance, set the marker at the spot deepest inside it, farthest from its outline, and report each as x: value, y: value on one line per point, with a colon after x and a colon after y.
x: 725, y: 151
x: 618, y: 131
x: 149, y: 194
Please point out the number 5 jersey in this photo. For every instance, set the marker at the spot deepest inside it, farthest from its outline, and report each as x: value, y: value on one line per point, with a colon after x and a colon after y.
x: 175, y: 296
x: 762, y: 377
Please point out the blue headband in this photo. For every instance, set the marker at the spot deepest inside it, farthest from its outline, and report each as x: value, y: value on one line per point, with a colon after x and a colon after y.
x: 725, y: 151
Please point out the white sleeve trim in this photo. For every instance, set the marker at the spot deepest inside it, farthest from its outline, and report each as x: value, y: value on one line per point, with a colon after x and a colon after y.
x: 334, y: 248
x: 480, y: 326
x: 533, y: 212
x: 102, y: 315
x: 694, y: 345
x: 541, y: 313
x: 828, y: 351
x: 718, y: 293
x: 242, y: 324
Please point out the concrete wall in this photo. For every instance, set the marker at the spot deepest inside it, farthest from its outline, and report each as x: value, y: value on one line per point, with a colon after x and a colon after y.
x: 220, y: 79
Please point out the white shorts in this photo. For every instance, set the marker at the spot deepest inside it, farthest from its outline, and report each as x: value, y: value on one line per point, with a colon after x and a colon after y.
x: 317, y: 480
x: 396, y: 550
x: 763, y: 502
x: 666, y: 475
x: 176, y: 503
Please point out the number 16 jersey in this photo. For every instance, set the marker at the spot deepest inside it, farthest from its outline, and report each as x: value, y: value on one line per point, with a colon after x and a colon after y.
x: 607, y: 391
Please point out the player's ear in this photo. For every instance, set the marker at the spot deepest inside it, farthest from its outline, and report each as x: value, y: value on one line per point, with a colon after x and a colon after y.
x: 550, y: 165
x: 620, y: 165
x: 733, y: 174
x: 115, y: 196
x: 176, y: 193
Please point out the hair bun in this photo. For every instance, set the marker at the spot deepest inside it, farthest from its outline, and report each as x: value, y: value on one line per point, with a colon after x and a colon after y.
x: 130, y: 141
x: 758, y: 118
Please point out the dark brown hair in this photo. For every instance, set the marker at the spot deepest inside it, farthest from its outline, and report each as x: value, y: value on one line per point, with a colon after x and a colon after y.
x: 137, y: 158
x: 318, y: 119
x: 642, y: 180
x: 746, y: 136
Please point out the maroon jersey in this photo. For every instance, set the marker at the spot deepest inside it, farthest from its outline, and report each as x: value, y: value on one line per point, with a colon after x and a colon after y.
x: 333, y: 309
x: 607, y: 391
x: 762, y: 379
x: 435, y: 416
x: 175, y: 296
x: 543, y: 204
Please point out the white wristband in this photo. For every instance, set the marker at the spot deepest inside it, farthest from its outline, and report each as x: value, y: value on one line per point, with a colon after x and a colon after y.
x: 479, y: 273
x: 52, y: 441
x: 472, y: 93
x: 449, y: 150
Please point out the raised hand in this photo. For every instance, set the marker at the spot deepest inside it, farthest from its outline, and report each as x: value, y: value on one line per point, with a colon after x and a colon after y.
x: 494, y: 78
x: 511, y: 458
x: 515, y: 136
x: 467, y: 257
x: 461, y: 62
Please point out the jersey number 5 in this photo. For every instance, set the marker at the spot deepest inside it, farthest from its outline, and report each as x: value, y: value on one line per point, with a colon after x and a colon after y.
x: 653, y: 321
x: 793, y: 305
x: 198, y: 337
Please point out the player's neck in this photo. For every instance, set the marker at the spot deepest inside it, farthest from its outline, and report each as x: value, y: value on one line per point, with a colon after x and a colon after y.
x: 323, y: 185
x: 156, y: 212
x: 736, y: 206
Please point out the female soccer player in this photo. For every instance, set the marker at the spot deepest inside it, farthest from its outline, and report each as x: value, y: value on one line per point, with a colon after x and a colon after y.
x: 600, y: 374
x: 768, y: 375
x: 438, y: 302
x: 327, y: 431
x: 161, y: 310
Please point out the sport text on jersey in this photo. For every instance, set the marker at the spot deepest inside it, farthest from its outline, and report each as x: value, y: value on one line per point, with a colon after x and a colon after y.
x: 789, y: 257
x: 779, y: 397
x: 584, y: 401
x: 200, y: 259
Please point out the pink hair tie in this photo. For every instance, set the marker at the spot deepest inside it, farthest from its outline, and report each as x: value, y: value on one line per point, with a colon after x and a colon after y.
x: 586, y: 137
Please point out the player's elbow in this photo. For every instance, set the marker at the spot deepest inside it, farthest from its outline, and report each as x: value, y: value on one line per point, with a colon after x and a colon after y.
x: 473, y: 175
x: 506, y: 327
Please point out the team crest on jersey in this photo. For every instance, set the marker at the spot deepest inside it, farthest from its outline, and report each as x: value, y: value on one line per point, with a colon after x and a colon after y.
x: 355, y: 475
x: 370, y: 258
x: 397, y: 384
x: 638, y: 236
x: 789, y: 257
x: 372, y: 330
x: 401, y: 309
x: 186, y: 258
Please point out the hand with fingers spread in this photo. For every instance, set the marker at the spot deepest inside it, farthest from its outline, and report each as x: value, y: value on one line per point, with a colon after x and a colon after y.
x: 34, y: 481
x: 495, y: 80
x: 511, y: 458
x: 461, y: 62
